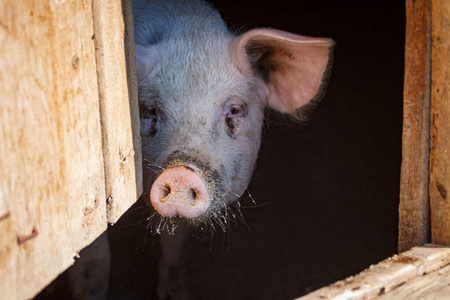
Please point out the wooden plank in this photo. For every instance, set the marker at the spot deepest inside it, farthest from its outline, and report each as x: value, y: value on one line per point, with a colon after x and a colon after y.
x: 51, y: 166
x: 414, y: 205
x: 432, y: 286
x: 387, y: 275
x: 114, y: 41
x: 440, y: 124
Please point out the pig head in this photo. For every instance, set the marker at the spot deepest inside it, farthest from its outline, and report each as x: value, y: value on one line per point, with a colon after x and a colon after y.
x: 203, y: 92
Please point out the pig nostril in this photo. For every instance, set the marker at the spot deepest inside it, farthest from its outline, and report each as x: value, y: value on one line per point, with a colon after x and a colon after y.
x: 166, y: 192
x: 193, y: 195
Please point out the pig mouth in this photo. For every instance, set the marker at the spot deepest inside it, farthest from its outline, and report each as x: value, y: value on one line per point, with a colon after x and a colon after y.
x: 204, y: 205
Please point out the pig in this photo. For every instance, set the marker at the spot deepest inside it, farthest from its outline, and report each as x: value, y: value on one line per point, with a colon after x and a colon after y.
x: 203, y: 92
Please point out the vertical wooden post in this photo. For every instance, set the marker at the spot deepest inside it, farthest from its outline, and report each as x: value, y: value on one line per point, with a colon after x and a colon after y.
x: 414, y: 205
x: 69, y: 132
x: 440, y: 124
x: 52, y: 189
x: 119, y: 111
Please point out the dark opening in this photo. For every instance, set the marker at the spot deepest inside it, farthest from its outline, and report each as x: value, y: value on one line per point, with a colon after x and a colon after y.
x: 326, y: 193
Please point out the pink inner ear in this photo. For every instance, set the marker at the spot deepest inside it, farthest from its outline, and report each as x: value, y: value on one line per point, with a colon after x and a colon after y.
x: 297, y: 65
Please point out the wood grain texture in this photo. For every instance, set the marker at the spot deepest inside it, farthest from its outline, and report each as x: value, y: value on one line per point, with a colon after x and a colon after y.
x: 51, y: 166
x: 440, y: 124
x: 414, y: 205
x: 382, y: 280
x: 117, y: 82
x: 432, y: 286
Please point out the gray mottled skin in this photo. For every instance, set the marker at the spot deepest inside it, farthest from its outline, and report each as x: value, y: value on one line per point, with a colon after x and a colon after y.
x: 193, y: 83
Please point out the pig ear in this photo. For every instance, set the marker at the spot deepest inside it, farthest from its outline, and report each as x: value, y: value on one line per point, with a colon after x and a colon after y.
x: 293, y: 67
x: 145, y: 61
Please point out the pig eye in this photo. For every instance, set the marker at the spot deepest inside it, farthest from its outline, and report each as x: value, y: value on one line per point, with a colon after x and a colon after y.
x: 149, y: 118
x: 149, y: 113
x: 235, y: 111
x: 233, y: 114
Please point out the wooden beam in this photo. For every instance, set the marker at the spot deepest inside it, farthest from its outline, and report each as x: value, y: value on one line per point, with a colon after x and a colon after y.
x: 52, y: 192
x: 431, y: 286
x: 119, y: 110
x: 420, y: 273
x: 440, y: 124
x: 414, y: 205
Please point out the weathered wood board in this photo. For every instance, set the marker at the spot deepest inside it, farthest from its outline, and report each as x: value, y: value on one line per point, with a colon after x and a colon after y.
x: 404, y: 276
x: 69, y: 132
x: 432, y: 286
x: 414, y: 216
x: 440, y: 124
x: 51, y: 166
x: 114, y: 36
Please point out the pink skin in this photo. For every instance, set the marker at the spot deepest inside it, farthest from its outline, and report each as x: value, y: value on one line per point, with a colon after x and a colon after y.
x: 179, y: 191
x: 303, y: 60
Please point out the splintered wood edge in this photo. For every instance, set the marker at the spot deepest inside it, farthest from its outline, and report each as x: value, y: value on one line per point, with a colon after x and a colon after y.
x: 387, y: 275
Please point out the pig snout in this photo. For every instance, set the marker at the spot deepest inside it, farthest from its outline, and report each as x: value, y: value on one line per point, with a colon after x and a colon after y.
x: 179, y: 191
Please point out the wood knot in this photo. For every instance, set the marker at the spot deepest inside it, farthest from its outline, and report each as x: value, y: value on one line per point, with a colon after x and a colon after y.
x: 76, y: 62
x: 442, y: 190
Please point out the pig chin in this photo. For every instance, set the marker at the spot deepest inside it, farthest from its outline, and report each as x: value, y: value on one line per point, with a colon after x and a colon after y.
x: 190, y: 192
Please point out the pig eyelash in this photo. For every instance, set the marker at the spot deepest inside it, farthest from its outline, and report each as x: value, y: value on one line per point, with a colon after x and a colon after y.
x: 235, y: 111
